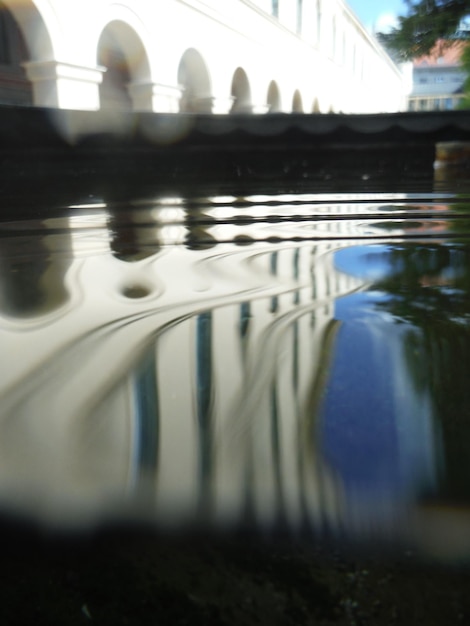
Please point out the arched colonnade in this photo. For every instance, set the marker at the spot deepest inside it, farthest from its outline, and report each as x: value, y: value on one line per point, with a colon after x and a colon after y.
x: 47, y: 58
x: 123, y: 77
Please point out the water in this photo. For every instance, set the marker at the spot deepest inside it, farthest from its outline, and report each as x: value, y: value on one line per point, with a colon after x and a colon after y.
x: 296, y: 361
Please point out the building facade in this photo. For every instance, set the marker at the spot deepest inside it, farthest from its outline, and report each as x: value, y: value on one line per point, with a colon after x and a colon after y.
x: 438, y: 79
x: 194, y: 56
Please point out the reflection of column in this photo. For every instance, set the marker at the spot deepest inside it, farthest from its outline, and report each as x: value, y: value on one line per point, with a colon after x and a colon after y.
x: 274, y: 300
x: 32, y: 274
x: 245, y: 317
x: 147, y: 418
x: 134, y: 236
x: 296, y: 274
x: 204, y: 403
x: 276, y: 448
x: 295, y: 357
x: 314, y: 273
x: 249, y: 473
x: 197, y: 225
x: 300, y: 425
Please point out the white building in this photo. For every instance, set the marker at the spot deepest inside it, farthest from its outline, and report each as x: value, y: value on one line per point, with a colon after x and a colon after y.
x: 194, y: 55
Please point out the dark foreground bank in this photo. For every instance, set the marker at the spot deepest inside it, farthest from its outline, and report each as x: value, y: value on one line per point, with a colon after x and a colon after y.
x: 133, y: 577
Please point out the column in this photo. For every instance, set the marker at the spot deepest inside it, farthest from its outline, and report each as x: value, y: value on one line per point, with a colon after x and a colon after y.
x: 155, y: 97
x: 63, y: 85
x: 222, y: 105
x: 260, y: 109
x: 210, y: 104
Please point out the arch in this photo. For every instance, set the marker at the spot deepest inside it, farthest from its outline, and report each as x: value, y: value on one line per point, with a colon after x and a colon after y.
x: 39, y: 30
x: 15, y: 88
x: 122, y: 54
x: 297, y: 105
x: 241, y: 92
x: 32, y: 37
x: 194, y: 80
x: 316, y: 106
x: 274, y: 98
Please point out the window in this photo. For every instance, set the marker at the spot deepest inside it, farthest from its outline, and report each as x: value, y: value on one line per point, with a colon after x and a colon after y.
x: 448, y: 104
x: 318, y: 21
x: 299, y: 16
x: 275, y: 8
x: 333, y: 38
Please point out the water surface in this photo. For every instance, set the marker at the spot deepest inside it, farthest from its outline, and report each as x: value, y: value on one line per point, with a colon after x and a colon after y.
x: 298, y: 360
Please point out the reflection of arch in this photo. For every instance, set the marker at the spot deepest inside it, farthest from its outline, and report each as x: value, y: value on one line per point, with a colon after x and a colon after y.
x: 316, y: 106
x: 130, y: 240
x: 274, y: 98
x: 194, y: 79
x: 122, y: 53
x: 297, y: 106
x: 14, y: 86
x: 241, y: 92
x: 32, y: 275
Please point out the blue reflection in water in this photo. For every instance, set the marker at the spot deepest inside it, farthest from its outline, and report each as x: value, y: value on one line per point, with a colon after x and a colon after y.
x: 367, y: 262
x: 376, y: 427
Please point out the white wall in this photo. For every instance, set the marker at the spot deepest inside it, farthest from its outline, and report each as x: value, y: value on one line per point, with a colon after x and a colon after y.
x: 344, y: 69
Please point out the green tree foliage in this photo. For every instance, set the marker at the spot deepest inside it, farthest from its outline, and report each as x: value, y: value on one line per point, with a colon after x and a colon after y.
x: 465, y: 61
x: 428, y: 290
x: 426, y: 22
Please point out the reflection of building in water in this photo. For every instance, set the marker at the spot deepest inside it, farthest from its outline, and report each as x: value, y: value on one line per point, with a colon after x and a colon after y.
x: 193, y: 392
x: 133, y: 235
x: 259, y: 56
x: 32, y: 272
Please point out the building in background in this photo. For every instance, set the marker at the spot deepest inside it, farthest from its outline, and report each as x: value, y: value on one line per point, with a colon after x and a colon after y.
x: 191, y: 56
x: 438, y: 79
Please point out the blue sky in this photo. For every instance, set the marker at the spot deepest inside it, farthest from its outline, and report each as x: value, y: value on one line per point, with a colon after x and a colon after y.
x: 372, y: 11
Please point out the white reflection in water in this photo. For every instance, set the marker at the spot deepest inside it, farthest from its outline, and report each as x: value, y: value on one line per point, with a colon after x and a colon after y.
x: 153, y: 387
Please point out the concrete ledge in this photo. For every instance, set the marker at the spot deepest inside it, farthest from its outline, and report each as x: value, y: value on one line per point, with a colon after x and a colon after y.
x: 65, y: 156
